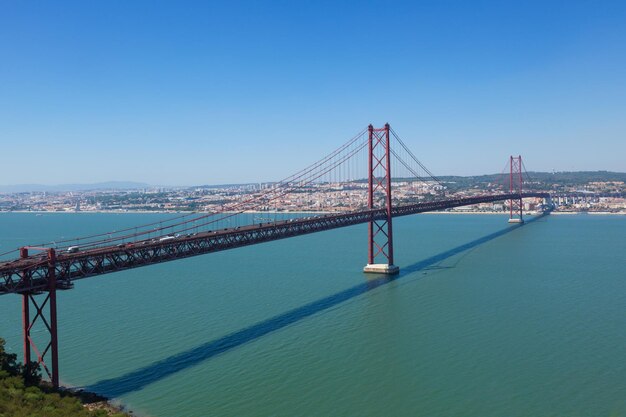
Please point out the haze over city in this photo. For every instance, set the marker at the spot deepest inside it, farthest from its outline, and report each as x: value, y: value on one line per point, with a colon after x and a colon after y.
x: 236, y: 92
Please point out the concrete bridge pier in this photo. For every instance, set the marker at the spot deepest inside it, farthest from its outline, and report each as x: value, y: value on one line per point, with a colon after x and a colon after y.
x: 381, y: 269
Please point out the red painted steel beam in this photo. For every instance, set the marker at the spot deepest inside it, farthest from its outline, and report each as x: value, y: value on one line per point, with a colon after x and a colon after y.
x: 389, y: 215
x: 25, y: 317
x: 54, y: 344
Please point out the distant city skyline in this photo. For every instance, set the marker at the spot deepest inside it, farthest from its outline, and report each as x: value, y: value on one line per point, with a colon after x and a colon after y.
x: 242, y: 92
x: 598, y: 176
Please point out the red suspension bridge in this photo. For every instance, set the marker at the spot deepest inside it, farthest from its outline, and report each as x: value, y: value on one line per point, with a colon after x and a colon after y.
x: 361, y: 169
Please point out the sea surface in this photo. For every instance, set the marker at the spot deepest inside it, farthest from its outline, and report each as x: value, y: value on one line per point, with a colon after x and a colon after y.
x: 485, y: 320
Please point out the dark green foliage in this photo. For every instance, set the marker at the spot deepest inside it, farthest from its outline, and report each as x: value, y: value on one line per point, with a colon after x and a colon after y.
x: 10, y: 367
x: 22, y: 396
x: 8, y: 361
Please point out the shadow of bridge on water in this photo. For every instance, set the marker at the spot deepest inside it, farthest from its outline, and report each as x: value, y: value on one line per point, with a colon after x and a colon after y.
x: 142, y: 377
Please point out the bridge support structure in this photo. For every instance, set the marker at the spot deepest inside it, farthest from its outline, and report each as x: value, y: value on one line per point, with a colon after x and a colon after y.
x: 380, y: 230
x: 51, y: 349
x: 516, y: 182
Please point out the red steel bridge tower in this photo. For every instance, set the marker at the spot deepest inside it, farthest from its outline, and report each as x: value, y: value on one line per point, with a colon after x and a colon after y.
x: 515, y: 187
x: 380, y: 231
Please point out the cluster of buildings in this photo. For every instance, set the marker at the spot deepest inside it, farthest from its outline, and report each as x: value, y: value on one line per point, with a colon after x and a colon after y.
x: 320, y: 197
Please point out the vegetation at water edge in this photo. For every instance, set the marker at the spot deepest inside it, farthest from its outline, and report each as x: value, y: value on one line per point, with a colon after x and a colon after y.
x: 23, y: 394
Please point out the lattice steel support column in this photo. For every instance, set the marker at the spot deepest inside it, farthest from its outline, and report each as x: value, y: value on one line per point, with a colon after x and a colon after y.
x: 515, y: 187
x: 50, y: 324
x: 380, y: 230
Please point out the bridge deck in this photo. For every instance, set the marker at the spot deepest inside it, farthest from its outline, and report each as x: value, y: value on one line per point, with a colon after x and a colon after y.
x: 31, y: 274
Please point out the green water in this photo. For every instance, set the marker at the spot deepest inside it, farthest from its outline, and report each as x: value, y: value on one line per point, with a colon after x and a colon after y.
x: 485, y: 319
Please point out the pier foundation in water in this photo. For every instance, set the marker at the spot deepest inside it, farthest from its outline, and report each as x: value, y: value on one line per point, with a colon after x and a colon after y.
x: 381, y: 269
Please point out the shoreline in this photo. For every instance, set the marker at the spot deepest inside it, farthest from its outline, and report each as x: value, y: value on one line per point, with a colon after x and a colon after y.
x: 90, y: 401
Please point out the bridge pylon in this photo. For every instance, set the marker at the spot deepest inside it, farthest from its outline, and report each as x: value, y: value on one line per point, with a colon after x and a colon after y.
x: 380, y: 230
x: 516, y: 182
x: 51, y: 349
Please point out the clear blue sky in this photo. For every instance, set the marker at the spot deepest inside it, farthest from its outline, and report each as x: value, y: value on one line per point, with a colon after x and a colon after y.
x: 181, y: 92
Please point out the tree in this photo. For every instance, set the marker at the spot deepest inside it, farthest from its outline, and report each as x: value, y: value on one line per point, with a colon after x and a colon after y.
x: 22, y: 396
x: 9, y: 366
x: 8, y: 361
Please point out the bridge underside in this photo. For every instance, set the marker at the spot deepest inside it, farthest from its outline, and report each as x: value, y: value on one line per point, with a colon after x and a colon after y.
x: 31, y: 274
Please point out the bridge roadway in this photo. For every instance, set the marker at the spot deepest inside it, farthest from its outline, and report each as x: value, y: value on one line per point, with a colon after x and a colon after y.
x: 31, y: 274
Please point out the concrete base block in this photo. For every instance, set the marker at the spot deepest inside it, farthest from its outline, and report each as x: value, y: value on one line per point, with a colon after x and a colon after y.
x: 381, y: 269
x: 516, y: 220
